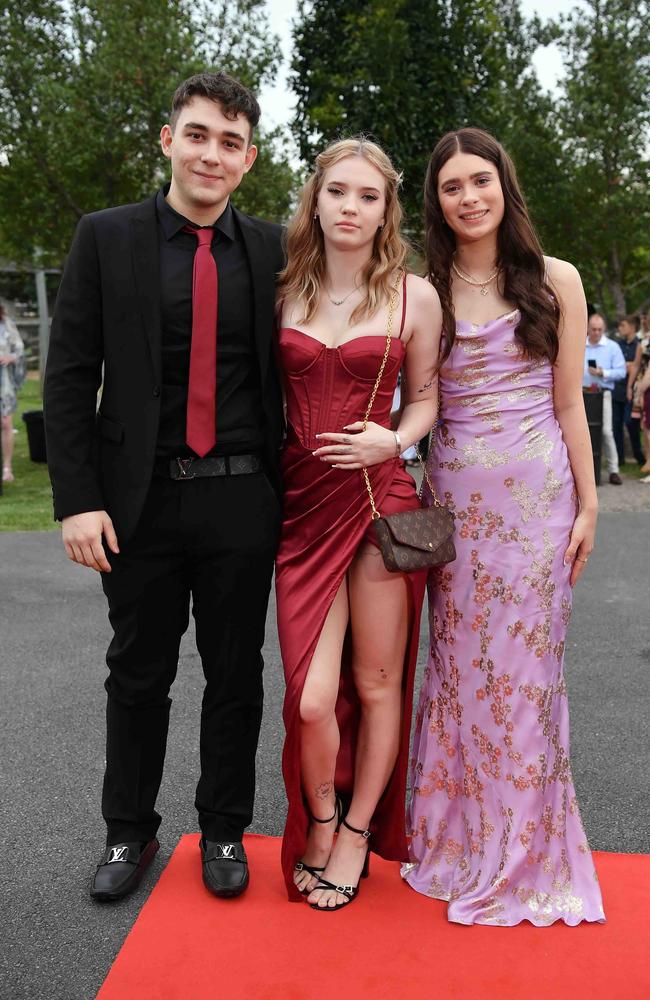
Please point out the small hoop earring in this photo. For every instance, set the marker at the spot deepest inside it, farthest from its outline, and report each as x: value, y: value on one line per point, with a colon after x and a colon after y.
x: 381, y: 227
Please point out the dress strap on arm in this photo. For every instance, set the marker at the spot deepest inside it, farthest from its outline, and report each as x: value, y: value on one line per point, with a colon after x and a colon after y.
x: 401, y: 329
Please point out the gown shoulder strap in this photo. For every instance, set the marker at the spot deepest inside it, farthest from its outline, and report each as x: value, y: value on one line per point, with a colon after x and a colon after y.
x: 401, y: 329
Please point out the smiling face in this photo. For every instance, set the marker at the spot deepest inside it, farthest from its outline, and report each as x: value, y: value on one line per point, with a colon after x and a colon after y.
x: 209, y: 154
x: 351, y: 203
x: 471, y: 196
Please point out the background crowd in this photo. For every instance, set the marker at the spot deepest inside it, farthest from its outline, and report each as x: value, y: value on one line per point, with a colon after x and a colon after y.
x: 617, y: 366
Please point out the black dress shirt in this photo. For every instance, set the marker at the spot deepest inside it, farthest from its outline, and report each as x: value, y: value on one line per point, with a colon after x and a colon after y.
x: 239, y: 417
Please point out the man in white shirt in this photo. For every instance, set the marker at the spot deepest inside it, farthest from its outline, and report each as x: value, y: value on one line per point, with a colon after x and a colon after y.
x: 604, y: 365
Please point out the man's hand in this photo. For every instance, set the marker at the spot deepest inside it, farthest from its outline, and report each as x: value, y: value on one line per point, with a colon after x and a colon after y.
x: 82, y: 538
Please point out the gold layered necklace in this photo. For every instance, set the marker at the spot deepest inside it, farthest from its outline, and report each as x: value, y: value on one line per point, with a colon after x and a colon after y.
x: 483, y: 285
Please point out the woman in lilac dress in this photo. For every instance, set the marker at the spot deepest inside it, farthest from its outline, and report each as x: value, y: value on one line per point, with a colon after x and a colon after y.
x: 494, y: 822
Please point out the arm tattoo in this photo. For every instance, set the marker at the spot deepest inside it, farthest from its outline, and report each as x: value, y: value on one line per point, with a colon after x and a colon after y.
x: 426, y: 386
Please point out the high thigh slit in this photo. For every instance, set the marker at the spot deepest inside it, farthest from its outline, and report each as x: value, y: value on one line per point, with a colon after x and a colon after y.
x: 326, y: 518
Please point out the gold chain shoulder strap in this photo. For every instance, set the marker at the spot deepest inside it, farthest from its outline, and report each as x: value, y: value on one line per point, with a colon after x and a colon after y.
x: 423, y: 465
x: 389, y: 336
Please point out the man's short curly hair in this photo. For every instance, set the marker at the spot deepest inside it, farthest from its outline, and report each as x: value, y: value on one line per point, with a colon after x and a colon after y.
x: 234, y: 98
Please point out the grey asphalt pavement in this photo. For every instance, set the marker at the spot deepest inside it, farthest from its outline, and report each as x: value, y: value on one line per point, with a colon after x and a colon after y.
x: 57, y: 944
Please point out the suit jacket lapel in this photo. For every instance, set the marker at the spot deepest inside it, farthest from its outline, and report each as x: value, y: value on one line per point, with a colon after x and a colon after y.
x: 146, y: 261
x: 263, y: 279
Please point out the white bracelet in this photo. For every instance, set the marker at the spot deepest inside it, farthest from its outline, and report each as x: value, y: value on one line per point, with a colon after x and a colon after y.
x: 398, y: 443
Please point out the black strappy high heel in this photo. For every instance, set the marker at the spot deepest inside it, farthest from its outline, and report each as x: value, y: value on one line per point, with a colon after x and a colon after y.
x: 350, y: 891
x: 302, y: 866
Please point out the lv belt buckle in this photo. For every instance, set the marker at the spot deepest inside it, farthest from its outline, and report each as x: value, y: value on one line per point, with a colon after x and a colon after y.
x: 185, y: 468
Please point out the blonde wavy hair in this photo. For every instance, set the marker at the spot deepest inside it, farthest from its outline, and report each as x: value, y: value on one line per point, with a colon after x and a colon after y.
x: 302, y: 278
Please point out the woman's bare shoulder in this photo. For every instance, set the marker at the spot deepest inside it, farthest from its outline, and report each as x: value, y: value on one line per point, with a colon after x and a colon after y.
x: 421, y: 292
x: 562, y: 274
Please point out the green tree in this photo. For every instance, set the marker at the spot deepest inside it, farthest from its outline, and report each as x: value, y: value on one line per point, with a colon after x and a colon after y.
x: 84, y: 90
x: 604, y: 123
x: 406, y: 71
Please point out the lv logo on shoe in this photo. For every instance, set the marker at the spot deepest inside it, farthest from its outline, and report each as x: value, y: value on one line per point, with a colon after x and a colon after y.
x: 118, y: 854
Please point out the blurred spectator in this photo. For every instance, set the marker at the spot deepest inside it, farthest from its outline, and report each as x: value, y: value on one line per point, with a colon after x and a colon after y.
x: 644, y: 332
x: 641, y: 405
x: 622, y: 393
x: 604, y: 364
x: 12, y: 373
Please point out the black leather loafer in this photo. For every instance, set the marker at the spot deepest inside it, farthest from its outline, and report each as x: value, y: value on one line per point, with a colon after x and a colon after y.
x: 121, y: 869
x: 225, y: 867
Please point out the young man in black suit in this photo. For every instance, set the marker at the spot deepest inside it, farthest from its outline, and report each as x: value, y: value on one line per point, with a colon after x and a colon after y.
x: 170, y: 488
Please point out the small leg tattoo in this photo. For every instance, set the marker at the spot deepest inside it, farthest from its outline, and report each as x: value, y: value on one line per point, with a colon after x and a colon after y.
x: 324, y: 790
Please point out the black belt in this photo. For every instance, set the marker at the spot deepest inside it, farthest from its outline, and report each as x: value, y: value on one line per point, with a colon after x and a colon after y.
x: 217, y: 465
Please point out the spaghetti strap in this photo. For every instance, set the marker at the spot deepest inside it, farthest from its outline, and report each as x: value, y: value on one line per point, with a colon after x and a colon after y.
x: 401, y: 329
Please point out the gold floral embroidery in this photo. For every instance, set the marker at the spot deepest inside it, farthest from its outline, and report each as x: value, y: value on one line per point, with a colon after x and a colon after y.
x: 485, y: 407
x: 478, y: 452
x: 471, y: 347
x: 472, y: 376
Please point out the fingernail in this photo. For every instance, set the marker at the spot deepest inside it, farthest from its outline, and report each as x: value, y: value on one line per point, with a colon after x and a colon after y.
x: 317, y: 435
x: 566, y: 560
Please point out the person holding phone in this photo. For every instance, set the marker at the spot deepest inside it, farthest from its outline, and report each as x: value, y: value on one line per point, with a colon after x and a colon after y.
x: 604, y: 366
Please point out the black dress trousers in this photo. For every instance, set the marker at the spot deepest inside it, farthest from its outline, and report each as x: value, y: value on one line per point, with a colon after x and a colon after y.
x: 209, y: 542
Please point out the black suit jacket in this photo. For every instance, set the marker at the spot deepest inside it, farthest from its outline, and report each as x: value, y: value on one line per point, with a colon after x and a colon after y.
x: 106, y: 329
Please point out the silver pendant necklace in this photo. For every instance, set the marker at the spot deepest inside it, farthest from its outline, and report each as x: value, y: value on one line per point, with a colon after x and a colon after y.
x: 339, y: 302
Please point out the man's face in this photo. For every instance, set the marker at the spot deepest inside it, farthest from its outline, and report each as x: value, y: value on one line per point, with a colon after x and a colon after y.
x: 595, y: 329
x: 209, y: 154
x: 626, y: 329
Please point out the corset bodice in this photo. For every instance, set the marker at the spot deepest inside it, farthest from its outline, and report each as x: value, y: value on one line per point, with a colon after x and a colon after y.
x: 329, y: 387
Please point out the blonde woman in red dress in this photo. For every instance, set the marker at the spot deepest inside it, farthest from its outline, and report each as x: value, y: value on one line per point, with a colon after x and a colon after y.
x: 348, y: 628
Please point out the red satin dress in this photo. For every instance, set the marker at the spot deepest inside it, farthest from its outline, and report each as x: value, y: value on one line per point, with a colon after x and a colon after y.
x: 327, y: 516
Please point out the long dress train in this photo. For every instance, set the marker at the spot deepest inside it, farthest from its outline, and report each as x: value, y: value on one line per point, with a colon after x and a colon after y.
x: 494, y: 819
x: 326, y: 518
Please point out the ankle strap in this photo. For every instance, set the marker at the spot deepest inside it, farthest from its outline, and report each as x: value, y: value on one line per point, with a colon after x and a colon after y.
x: 363, y: 833
x: 337, y: 810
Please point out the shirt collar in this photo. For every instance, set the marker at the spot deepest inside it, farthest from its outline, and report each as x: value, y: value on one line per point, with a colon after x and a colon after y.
x: 172, y: 221
x: 603, y: 340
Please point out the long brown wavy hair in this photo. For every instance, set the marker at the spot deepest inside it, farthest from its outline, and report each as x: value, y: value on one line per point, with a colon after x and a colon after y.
x: 302, y: 278
x: 519, y: 254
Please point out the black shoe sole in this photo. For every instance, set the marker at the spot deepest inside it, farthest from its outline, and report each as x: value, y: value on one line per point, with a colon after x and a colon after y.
x: 133, y: 881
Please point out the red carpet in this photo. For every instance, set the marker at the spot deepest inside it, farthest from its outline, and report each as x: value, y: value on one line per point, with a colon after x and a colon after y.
x: 391, y: 943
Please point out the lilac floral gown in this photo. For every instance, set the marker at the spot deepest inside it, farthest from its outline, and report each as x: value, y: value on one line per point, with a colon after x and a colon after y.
x: 493, y: 818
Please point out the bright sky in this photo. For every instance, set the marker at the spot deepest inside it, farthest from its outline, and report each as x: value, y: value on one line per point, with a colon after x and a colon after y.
x: 277, y: 102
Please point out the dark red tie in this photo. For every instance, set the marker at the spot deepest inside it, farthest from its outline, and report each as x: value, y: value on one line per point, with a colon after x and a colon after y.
x: 201, y: 430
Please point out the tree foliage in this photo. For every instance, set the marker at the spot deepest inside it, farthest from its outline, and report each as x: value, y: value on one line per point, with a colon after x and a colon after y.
x: 406, y: 71
x: 84, y: 90
x: 604, y: 122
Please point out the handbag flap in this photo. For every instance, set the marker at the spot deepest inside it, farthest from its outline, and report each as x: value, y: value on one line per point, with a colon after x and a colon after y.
x: 426, y: 528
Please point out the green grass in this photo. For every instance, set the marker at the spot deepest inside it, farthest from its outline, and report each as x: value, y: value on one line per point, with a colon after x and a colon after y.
x: 26, y: 504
